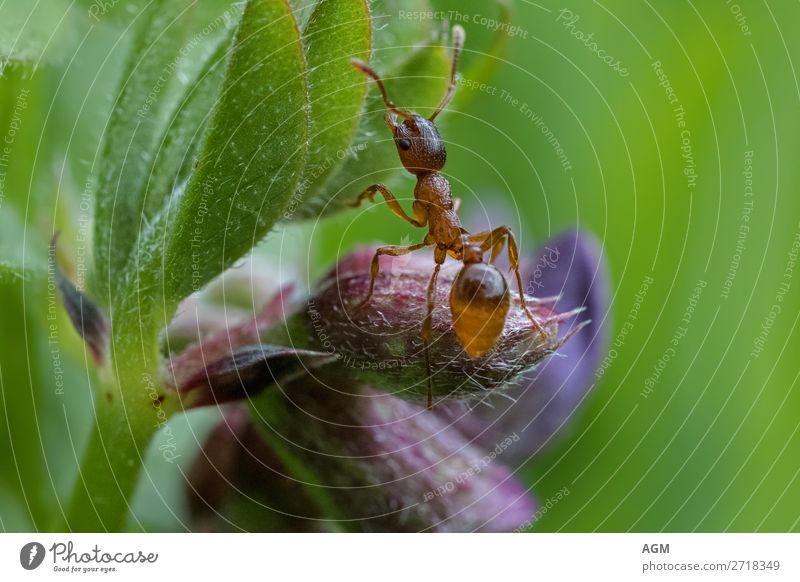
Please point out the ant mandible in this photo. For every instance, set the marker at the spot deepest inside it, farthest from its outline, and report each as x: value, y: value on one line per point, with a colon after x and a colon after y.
x: 479, y: 298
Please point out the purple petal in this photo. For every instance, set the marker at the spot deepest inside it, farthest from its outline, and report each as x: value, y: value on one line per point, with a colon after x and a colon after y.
x: 570, y: 266
x: 225, y: 342
x: 236, y: 482
x: 386, y: 464
x: 247, y: 372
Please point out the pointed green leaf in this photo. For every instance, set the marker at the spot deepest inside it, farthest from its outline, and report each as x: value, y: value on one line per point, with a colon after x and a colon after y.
x: 32, y: 32
x: 134, y: 131
x: 337, y: 32
x: 251, y: 161
x: 183, y: 137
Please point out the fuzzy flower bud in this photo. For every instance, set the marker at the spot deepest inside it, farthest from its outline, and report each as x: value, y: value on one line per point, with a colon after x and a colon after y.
x: 380, y: 342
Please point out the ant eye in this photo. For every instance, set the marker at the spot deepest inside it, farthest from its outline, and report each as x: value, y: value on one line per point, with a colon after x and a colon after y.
x: 405, y: 144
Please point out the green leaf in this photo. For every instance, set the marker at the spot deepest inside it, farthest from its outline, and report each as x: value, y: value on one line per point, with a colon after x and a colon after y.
x: 24, y: 352
x: 251, y: 161
x: 183, y: 138
x: 33, y: 31
x: 134, y: 132
x: 337, y: 32
x: 10, y: 272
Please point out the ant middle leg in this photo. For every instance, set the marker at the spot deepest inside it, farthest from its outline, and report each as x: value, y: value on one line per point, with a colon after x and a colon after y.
x: 439, y: 256
x: 495, y: 240
x: 391, y: 201
x: 391, y: 251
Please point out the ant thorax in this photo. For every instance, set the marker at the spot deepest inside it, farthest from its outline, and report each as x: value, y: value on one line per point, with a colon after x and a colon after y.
x: 432, y: 197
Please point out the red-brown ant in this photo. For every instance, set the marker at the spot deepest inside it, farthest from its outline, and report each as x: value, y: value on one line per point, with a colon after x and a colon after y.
x: 479, y: 298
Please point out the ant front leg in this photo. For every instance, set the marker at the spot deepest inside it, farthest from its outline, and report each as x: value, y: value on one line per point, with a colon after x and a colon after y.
x: 494, y: 240
x: 439, y: 256
x: 391, y: 201
x: 391, y: 251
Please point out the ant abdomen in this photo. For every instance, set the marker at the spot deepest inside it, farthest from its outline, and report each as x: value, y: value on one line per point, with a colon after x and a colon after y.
x: 479, y: 302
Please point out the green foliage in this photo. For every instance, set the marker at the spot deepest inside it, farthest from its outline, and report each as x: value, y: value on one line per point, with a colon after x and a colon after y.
x: 234, y: 150
x: 32, y: 33
x: 337, y: 32
x: 251, y: 160
x: 134, y: 132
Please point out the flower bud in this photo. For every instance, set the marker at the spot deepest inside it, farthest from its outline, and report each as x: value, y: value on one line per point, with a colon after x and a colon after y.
x: 380, y: 343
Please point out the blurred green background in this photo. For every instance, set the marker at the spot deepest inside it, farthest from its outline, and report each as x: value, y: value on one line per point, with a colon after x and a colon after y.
x: 681, y: 159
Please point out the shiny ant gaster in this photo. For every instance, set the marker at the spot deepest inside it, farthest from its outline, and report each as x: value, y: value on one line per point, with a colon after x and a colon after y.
x: 479, y: 298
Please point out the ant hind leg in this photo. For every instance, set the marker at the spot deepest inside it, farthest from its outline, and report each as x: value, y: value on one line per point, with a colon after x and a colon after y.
x: 495, y: 240
x: 427, y: 325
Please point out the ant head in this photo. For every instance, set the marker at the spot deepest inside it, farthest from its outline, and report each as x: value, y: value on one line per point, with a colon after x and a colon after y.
x: 419, y: 144
x: 418, y: 141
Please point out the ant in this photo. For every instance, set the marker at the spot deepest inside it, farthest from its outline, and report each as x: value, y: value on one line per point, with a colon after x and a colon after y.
x: 479, y: 297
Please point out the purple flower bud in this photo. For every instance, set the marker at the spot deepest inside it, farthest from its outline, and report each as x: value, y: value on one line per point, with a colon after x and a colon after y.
x: 236, y: 483
x: 371, y: 462
x: 233, y: 365
x: 247, y: 372
x: 380, y: 343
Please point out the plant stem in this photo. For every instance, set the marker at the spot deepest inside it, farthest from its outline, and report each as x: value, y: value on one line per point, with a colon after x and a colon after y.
x: 130, y: 407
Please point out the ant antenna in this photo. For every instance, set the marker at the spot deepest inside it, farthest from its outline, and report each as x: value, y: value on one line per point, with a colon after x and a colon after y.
x: 367, y: 70
x: 458, y: 44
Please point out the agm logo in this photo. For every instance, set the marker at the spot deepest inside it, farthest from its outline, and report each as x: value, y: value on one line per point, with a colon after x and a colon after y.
x: 31, y: 555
